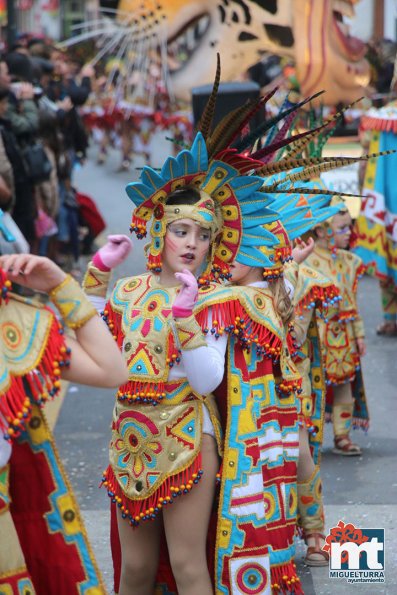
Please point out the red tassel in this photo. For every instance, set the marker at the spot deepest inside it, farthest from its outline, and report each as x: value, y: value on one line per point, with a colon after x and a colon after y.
x: 138, y: 226
x: 285, y: 580
x: 43, y: 382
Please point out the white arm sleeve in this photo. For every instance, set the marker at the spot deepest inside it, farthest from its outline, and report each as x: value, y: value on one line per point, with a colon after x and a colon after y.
x: 205, y: 365
x: 98, y: 302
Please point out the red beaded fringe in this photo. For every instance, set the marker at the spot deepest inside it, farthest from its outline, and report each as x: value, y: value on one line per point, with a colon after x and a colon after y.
x: 43, y: 381
x: 230, y: 317
x: 220, y: 271
x: 113, y: 320
x: 154, y: 263
x: 138, y: 226
x: 285, y: 580
x: 5, y: 285
x: 318, y: 297
x: 147, y: 509
x: 381, y: 124
x: 142, y: 392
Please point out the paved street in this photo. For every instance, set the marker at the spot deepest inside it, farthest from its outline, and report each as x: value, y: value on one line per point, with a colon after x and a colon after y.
x: 362, y: 490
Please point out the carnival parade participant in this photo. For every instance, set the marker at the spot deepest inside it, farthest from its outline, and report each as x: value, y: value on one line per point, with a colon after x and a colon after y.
x: 164, y: 433
x: 377, y: 223
x: 341, y: 332
x: 46, y: 549
x: 268, y: 328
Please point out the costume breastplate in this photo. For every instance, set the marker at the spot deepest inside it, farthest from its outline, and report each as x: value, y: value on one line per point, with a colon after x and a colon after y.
x: 148, y: 344
x: 343, y: 271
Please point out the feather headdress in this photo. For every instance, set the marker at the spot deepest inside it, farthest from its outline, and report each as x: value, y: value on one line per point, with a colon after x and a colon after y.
x: 263, y: 200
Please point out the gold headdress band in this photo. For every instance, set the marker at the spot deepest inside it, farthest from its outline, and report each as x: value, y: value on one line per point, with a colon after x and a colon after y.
x: 203, y: 212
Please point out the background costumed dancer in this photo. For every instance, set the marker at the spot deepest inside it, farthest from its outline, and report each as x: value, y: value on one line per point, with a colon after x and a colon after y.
x: 377, y: 223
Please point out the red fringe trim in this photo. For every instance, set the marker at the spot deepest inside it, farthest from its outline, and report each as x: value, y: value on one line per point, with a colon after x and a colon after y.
x: 319, y: 297
x: 136, y: 511
x: 113, y: 320
x: 230, y: 317
x: 220, y: 271
x: 43, y: 382
x: 347, y: 315
x: 285, y: 580
x: 383, y: 125
x: 362, y: 269
x: 359, y: 423
x: 142, y: 392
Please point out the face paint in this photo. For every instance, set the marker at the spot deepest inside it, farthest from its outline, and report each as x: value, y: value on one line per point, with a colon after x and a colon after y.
x: 185, y: 247
x: 341, y: 227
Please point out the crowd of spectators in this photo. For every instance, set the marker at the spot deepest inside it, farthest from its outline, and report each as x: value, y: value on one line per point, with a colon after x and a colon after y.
x: 42, y: 138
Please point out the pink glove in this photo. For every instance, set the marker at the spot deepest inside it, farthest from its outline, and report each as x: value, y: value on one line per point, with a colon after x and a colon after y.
x: 113, y: 253
x: 187, y: 297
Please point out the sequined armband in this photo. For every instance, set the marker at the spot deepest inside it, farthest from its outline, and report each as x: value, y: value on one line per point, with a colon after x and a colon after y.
x: 73, y: 305
x: 188, y: 334
x: 95, y: 281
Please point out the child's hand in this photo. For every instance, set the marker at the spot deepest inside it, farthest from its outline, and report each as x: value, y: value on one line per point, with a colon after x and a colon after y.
x: 361, y: 346
x: 113, y: 253
x: 184, y: 302
x: 302, y: 250
x: 36, y: 272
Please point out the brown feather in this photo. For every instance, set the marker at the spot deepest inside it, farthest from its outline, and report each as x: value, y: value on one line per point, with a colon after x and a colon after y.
x: 219, y: 137
x: 307, y: 191
x: 208, y: 115
x: 290, y: 163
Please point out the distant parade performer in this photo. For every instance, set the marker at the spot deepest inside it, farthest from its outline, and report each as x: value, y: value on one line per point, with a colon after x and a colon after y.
x: 341, y: 329
x: 377, y: 223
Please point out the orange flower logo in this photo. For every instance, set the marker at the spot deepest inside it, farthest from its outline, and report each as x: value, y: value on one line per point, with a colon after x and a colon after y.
x: 343, y: 533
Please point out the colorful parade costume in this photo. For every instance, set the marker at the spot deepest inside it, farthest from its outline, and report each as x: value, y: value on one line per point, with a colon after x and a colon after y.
x: 46, y: 549
x: 338, y: 332
x: 242, y: 197
x: 377, y: 223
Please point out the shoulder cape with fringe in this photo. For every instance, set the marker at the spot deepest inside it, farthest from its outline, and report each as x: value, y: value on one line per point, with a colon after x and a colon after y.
x: 39, y: 497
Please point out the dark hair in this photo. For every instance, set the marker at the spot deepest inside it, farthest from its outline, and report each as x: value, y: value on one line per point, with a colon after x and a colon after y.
x: 186, y: 195
x: 4, y: 92
x: 19, y: 67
